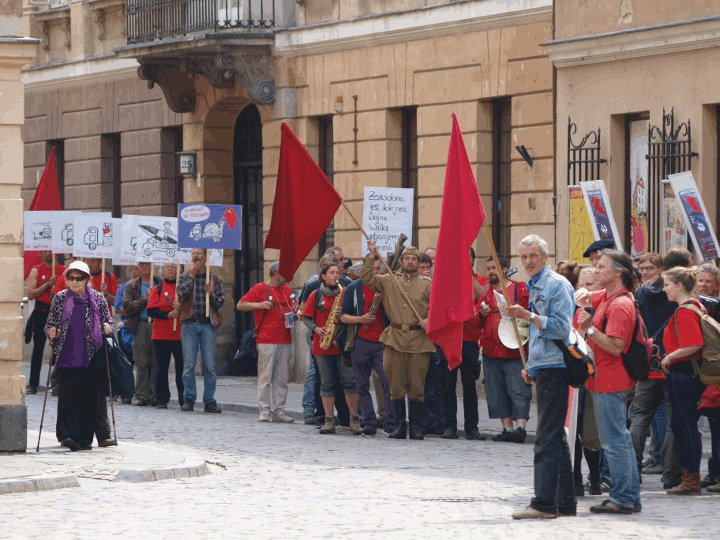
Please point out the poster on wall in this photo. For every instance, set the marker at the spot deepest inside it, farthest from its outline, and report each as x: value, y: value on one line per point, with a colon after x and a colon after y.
x: 210, y: 226
x: 387, y: 213
x: 695, y: 214
x: 580, y: 234
x: 638, y: 187
x: 602, y: 220
x: 37, y: 230
x: 63, y: 230
x: 674, y: 232
x: 93, y: 234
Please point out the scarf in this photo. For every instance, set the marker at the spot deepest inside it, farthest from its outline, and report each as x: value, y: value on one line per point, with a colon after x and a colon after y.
x: 332, y: 292
x: 71, y: 302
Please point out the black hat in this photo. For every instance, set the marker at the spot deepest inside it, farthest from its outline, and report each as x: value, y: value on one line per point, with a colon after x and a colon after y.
x: 597, y: 245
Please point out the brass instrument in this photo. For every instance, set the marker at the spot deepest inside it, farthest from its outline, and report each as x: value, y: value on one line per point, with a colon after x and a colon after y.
x: 394, y: 262
x: 373, y: 309
x: 332, y: 326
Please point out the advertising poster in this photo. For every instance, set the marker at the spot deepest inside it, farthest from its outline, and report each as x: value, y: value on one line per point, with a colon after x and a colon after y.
x: 387, y: 213
x: 93, y: 234
x: 674, y: 232
x: 63, y: 230
x: 602, y: 220
x: 38, y: 230
x: 210, y: 226
x: 696, y: 216
x: 580, y: 231
x: 638, y: 187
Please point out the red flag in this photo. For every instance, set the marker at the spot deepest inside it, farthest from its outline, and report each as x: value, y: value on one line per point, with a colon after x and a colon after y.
x: 230, y: 217
x: 451, y: 299
x: 305, y: 204
x: 47, y: 197
x: 694, y: 206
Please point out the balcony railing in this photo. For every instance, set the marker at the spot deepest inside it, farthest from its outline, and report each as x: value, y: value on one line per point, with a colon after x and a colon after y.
x: 150, y: 20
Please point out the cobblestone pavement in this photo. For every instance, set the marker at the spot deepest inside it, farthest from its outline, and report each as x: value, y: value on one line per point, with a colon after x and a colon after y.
x: 286, y: 481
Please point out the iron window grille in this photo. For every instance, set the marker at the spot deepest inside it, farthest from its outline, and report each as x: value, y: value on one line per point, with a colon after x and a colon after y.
x: 583, y: 158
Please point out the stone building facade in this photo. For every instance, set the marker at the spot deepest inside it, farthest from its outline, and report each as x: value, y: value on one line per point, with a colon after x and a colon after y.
x: 119, y: 100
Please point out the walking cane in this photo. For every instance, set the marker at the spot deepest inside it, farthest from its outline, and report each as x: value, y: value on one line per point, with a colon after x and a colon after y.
x: 47, y: 385
x: 112, y: 404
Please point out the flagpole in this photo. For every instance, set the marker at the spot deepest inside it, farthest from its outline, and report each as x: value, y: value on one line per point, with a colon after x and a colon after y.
x: 207, y: 280
x: 53, y: 264
x: 177, y: 276
x: 504, y: 289
x: 152, y: 282
x: 383, y: 261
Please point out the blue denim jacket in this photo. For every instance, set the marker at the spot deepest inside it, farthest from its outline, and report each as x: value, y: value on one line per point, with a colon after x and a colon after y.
x: 553, y: 299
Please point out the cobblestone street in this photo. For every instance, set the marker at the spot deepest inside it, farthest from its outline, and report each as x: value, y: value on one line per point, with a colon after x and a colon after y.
x: 286, y: 481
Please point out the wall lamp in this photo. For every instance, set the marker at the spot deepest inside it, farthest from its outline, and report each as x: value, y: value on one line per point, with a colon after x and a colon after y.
x: 524, y: 153
x: 188, y: 165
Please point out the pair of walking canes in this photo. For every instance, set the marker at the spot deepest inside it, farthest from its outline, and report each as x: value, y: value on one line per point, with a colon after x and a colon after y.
x: 47, y: 385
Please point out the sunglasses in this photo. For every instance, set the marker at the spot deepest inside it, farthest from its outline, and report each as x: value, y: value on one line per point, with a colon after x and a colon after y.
x: 76, y: 278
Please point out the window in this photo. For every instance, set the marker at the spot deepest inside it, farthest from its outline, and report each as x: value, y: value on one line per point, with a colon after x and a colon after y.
x: 111, y: 171
x: 173, y: 141
x: 325, y: 161
x: 501, y: 161
x: 409, y: 162
x: 59, y: 146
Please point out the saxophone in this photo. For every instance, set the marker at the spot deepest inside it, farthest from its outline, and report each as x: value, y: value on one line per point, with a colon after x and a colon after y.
x: 332, y: 326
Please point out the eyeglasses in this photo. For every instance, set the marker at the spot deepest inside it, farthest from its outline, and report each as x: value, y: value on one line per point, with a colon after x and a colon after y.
x: 646, y: 269
x: 75, y: 278
x: 603, y: 266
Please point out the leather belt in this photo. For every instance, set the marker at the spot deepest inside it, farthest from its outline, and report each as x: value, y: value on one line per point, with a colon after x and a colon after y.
x: 200, y: 320
x: 405, y: 327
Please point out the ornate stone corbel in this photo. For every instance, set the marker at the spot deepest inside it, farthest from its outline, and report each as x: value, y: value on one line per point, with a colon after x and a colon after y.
x: 179, y: 89
x: 216, y: 75
x: 45, y: 35
x: 256, y: 71
x: 100, y: 22
x: 68, y: 34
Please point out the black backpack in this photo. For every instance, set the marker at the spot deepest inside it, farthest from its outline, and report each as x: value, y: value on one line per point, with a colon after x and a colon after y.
x: 637, y: 359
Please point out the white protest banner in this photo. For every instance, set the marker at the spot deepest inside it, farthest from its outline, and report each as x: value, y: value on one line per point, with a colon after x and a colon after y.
x: 696, y: 216
x: 93, y: 235
x: 601, y: 214
x: 157, y: 239
x: 387, y: 213
x: 38, y: 230
x: 184, y: 256
x: 63, y: 230
x: 125, y: 244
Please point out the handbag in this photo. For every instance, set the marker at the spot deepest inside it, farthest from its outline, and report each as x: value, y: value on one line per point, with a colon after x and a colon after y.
x: 29, y: 327
x: 246, y: 354
x: 122, y: 380
x: 578, y: 365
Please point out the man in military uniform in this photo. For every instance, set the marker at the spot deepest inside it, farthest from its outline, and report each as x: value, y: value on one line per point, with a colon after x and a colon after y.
x: 407, y: 348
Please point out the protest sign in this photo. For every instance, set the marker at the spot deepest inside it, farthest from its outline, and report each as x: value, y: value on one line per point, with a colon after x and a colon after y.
x: 639, y: 239
x: 387, y: 213
x: 157, y: 240
x: 674, y: 232
x: 210, y: 226
x: 63, y: 230
x: 125, y: 241
x: 695, y: 214
x: 602, y: 220
x: 580, y: 232
x: 93, y: 234
x: 184, y: 256
x: 38, y: 230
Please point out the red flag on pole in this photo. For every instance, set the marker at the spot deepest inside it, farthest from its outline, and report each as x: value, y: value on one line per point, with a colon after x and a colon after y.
x: 47, y: 197
x: 305, y: 204
x: 451, y: 299
x: 230, y: 217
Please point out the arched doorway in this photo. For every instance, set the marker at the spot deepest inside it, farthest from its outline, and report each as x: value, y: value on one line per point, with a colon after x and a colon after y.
x: 247, y: 167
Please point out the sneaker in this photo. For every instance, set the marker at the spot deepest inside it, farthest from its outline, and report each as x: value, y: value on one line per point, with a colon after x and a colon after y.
x: 710, y: 480
x: 519, y: 435
x: 107, y: 442
x: 264, y: 417
x: 187, y: 406
x: 127, y: 400
x: 162, y: 405
x: 531, y: 513
x: 505, y: 436
x: 609, y: 507
x: 653, y: 468
x: 594, y: 489
x: 54, y: 391
x: 474, y: 435
x: 29, y: 390
x: 310, y: 420
x: 212, y: 408
x: 715, y: 488
x: 369, y: 431
x: 283, y: 418
x: 606, y: 485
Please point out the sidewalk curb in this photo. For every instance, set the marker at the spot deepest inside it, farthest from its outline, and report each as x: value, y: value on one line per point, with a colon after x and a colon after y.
x: 192, y: 467
x: 24, y: 485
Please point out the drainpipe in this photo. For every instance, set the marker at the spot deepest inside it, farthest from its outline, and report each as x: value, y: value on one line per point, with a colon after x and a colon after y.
x: 554, y: 91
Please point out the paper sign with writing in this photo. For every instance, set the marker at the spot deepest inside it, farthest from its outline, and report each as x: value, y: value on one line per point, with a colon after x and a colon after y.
x: 94, y: 235
x: 387, y: 213
x: 580, y: 232
x: 63, y: 230
x: 125, y: 241
x: 38, y: 230
x: 210, y: 226
x: 696, y: 216
x: 184, y: 256
x: 157, y: 239
x: 674, y: 232
x: 601, y: 214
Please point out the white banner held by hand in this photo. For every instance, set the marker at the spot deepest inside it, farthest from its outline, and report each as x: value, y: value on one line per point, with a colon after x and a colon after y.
x: 387, y: 213
x: 63, y: 230
x: 38, y: 230
x: 94, y: 235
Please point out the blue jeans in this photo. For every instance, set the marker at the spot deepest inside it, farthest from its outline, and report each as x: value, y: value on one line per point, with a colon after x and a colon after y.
x: 308, y: 397
x: 194, y: 337
x: 685, y: 393
x: 611, y: 420
x: 554, y: 490
x: 658, y: 427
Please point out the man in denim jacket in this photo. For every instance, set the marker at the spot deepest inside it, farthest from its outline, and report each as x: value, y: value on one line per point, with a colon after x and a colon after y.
x: 552, y: 305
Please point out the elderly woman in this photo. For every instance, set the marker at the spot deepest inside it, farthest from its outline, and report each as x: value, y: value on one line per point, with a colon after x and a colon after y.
x: 78, y: 316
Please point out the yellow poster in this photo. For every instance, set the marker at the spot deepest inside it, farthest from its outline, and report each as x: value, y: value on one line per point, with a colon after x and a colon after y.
x: 580, y: 230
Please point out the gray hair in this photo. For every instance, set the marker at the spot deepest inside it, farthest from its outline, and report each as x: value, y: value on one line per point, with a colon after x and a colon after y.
x: 535, y: 239
x: 710, y: 268
x: 355, y: 269
x: 274, y: 267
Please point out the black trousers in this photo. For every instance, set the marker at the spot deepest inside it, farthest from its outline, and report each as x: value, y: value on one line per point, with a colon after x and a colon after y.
x: 163, y: 349
x: 40, y: 315
x: 77, y: 405
x: 102, y: 423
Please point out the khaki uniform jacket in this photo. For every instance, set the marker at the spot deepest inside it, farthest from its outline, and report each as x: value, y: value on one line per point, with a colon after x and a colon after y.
x: 417, y: 288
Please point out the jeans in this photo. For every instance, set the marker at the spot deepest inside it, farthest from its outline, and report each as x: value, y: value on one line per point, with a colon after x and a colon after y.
x: 308, y: 397
x: 469, y: 373
x: 40, y: 315
x: 658, y: 428
x: 685, y: 393
x: 330, y: 367
x: 366, y: 357
x: 554, y: 491
x: 343, y: 412
x: 163, y: 349
x: 617, y: 444
x: 194, y: 337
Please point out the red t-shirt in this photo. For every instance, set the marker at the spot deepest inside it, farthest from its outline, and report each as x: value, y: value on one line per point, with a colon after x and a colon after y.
x: 272, y: 329
x: 488, y: 326
x: 95, y: 282
x: 689, y: 332
x: 375, y: 328
x: 163, y: 328
x: 710, y: 399
x: 46, y: 273
x: 320, y: 317
x: 611, y: 374
x: 471, y: 332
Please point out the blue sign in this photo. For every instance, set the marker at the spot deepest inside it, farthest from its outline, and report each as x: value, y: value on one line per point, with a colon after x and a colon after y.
x: 209, y: 226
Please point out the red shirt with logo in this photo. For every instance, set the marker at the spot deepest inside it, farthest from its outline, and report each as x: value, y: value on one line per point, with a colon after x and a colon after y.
x: 320, y: 317
x: 271, y: 328
x: 44, y: 275
x: 375, y: 328
x: 611, y: 374
x: 163, y: 328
